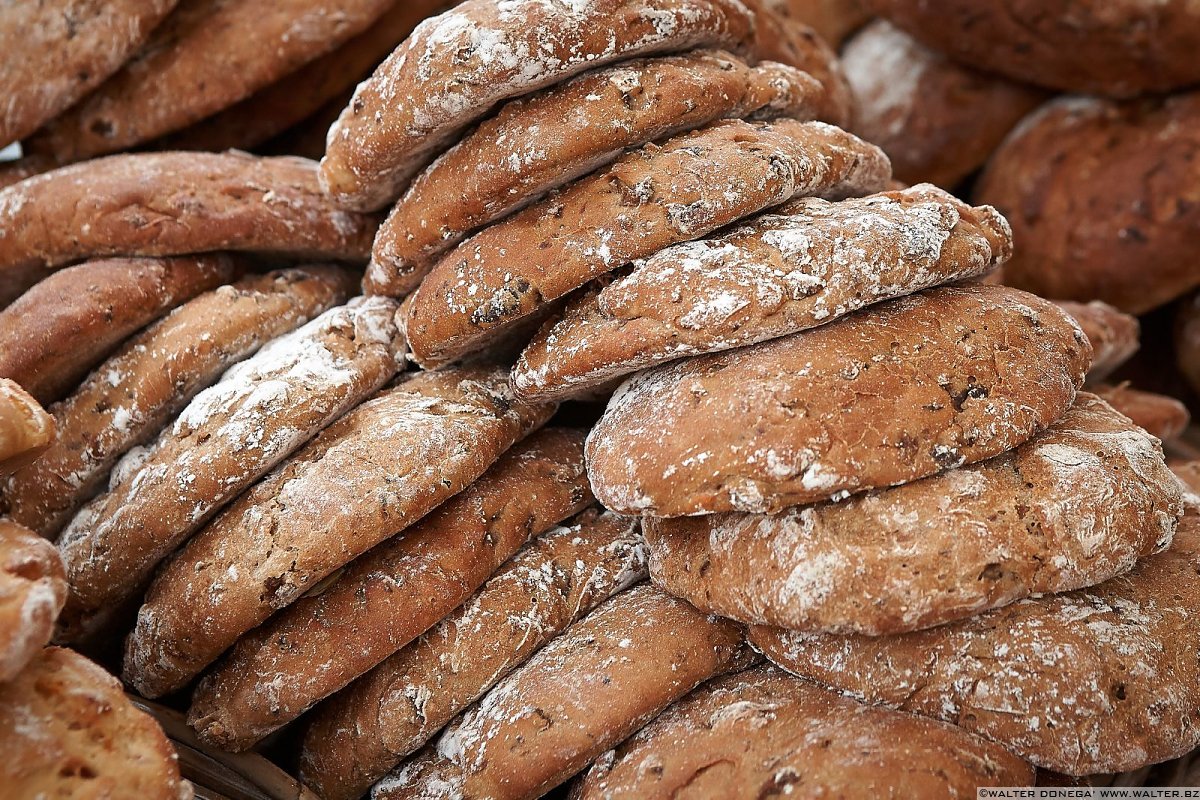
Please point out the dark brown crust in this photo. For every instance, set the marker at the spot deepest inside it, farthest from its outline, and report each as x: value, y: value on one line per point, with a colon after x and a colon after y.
x: 1189, y: 473
x: 1163, y: 416
x: 1092, y: 187
x: 33, y: 588
x: 541, y: 142
x: 56, y: 332
x: 763, y: 733
x: 160, y: 204
x: 438, y: 561
x: 581, y: 694
x: 360, y: 735
x: 833, y: 20
x: 57, y: 51
x: 1118, y: 47
x: 649, y: 199
x: 937, y: 121
x: 1077, y: 504
x: 132, y: 396
x: 1187, y: 340
x: 205, y: 56
x: 68, y: 730
x: 1115, y: 335
x: 1099, y: 680
x: 897, y: 392
x: 26, y: 430
x: 229, y: 435
x: 804, y: 264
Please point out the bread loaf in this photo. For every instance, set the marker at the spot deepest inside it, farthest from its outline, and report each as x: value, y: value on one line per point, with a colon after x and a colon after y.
x: 26, y: 430
x: 33, y: 588
x: 1163, y: 416
x: 1115, y: 336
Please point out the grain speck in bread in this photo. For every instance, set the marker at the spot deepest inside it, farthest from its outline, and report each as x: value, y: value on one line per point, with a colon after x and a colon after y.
x: 26, y: 430
x: 1115, y: 335
x: 160, y: 204
x: 887, y: 395
x: 1163, y: 416
x: 651, y: 198
x: 1103, y: 200
x: 1075, y: 505
x: 228, y: 436
x: 33, y: 588
x: 53, y: 335
x: 455, y: 67
x: 763, y: 733
x: 581, y: 694
x: 1099, y: 680
x: 358, y: 736
x: 68, y: 731
x: 132, y: 396
x: 801, y: 265
x: 542, y: 142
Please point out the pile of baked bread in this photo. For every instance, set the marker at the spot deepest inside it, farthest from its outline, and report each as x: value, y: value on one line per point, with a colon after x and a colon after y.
x: 626, y: 401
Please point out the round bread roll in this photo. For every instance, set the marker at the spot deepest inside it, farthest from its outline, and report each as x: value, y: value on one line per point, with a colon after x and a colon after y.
x: 1102, y: 199
x: 898, y: 392
x: 33, y: 588
x: 1163, y: 416
x: 1099, y: 680
x: 68, y: 731
x: 1075, y: 505
x: 803, y: 264
x: 26, y: 430
x: 1187, y: 340
x: 763, y: 733
x: 936, y: 120
x: 1120, y: 48
x: 1115, y: 336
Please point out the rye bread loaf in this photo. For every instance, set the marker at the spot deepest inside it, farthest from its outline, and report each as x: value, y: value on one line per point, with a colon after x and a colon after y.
x: 763, y: 733
x: 541, y: 142
x: 1163, y: 416
x: 226, y: 438
x: 358, y: 736
x: 207, y: 55
x: 938, y: 121
x: 26, y: 430
x: 1120, y: 48
x: 56, y: 332
x: 1187, y: 340
x: 649, y: 199
x: 1115, y: 335
x: 33, y: 588
x: 1075, y: 505
x: 803, y: 264
x: 1098, y: 680
x: 132, y: 396
x: 367, y: 477
x: 159, y: 204
x: 1092, y: 188
x: 56, y: 51
x: 67, y: 730
x: 901, y: 391
x: 581, y: 694
x: 455, y: 67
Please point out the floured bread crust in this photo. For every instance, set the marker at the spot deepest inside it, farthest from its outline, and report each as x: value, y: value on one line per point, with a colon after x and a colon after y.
x: 1098, y: 680
x: 801, y: 265
x: 898, y: 392
x: 1075, y: 505
x: 651, y: 198
x: 357, y: 737
x: 33, y: 588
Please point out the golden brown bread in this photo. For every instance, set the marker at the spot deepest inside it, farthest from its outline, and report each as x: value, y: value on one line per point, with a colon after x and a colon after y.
x: 938, y: 121
x: 763, y: 733
x: 890, y: 394
x: 833, y: 20
x: 1115, y: 335
x: 1097, y: 680
x: 1163, y: 416
x: 19, y: 169
x: 33, y: 588
x: 26, y: 430
x: 207, y: 55
x: 581, y: 694
x: 368, y: 476
x: 132, y: 396
x: 229, y: 435
x: 159, y: 204
x: 358, y: 736
x: 1075, y: 505
x: 68, y: 731
x: 803, y: 264
x: 56, y: 51
x: 56, y: 332
x: 543, y: 141
x: 1102, y: 199
x: 649, y: 199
